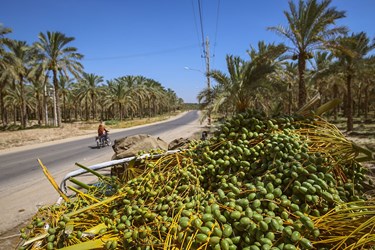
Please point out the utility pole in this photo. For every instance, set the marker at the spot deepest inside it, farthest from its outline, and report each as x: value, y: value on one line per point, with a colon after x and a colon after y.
x: 207, y: 56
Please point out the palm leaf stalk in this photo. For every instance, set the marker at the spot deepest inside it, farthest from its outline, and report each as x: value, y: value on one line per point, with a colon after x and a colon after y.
x: 348, y: 226
x: 325, y: 137
x: 52, y: 181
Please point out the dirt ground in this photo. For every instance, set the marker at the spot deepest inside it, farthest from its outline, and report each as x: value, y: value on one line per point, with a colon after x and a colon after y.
x: 34, y: 136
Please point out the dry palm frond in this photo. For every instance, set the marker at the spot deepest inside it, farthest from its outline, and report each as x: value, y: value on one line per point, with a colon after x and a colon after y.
x: 52, y: 181
x: 306, y: 109
x: 326, y: 138
x: 327, y: 106
x: 92, y: 244
x: 348, y: 226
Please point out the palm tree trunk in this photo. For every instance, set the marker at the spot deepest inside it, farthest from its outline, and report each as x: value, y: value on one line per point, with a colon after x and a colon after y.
x: 64, y: 108
x: 38, y: 108
x: 23, y: 104
x: 120, y: 110
x: 126, y: 114
x: 302, y: 96
x: 15, y: 114
x: 335, y: 91
x: 57, y: 99
x: 349, y: 109
x: 4, y: 118
x: 76, y: 112
x: 140, y: 109
x: 290, y: 98
x: 3, y: 110
x: 54, y: 107
x: 87, y: 109
x: 93, y: 106
x: 149, y: 107
x: 366, y: 104
x: 45, y: 108
x: 359, y: 103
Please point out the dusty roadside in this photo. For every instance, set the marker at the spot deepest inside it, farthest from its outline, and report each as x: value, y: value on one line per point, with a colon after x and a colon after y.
x: 23, y: 200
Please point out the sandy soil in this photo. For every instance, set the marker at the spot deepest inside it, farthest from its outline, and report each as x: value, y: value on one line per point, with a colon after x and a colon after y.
x: 25, y: 198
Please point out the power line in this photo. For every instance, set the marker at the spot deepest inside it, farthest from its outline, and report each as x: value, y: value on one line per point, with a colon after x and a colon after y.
x: 201, y: 22
x: 195, y: 22
x: 143, y: 54
x: 217, y: 24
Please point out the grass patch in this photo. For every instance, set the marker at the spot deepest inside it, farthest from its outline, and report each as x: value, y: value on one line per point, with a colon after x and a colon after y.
x: 137, y: 121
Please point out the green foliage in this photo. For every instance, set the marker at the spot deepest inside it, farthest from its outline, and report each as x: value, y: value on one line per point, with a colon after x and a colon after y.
x: 112, y: 122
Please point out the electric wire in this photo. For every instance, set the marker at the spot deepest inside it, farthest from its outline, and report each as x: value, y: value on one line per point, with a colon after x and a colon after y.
x: 204, y: 55
x: 201, y: 23
x: 195, y: 23
x: 216, y: 28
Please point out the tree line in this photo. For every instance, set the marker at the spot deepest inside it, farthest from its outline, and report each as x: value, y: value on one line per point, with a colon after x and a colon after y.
x: 47, y: 80
x: 320, y: 58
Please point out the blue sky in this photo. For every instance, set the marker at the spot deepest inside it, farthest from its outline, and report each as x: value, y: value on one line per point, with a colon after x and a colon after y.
x: 159, y: 38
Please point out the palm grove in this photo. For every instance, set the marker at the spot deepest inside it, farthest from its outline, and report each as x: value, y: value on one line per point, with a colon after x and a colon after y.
x: 46, y: 79
x: 320, y: 58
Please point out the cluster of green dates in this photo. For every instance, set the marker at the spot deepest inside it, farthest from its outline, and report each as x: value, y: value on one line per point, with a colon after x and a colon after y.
x: 256, y: 184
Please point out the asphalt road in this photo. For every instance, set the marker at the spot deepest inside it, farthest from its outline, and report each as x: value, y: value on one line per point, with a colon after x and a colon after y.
x: 24, y: 163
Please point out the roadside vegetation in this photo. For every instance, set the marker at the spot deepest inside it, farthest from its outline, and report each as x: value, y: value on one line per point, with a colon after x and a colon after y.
x: 45, y: 82
x: 319, y: 61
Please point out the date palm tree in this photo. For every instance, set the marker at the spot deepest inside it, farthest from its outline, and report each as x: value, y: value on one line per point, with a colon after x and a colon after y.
x: 244, y: 78
x: 5, y: 85
x: 142, y: 92
x: 287, y: 76
x: 351, y: 52
x: 4, y: 77
x: 19, y: 60
x: 3, y: 32
x: 368, y: 80
x: 117, y: 96
x: 322, y: 69
x: 38, y: 81
x: 65, y: 85
x: 155, y: 97
x: 126, y: 95
x: 172, y: 100
x: 89, y: 89
x: 61, y: 59
x: 230, y: 90
x: 310, y: 25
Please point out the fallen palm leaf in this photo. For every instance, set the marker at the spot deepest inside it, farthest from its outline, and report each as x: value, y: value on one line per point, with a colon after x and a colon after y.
x: 52, y: 181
